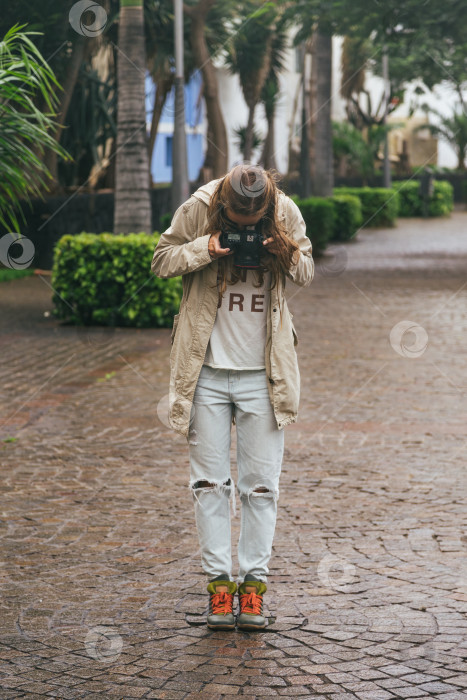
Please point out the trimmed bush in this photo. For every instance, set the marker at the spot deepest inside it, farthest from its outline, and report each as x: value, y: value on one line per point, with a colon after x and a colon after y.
x: 166, y: 220
x: 318, y: 214
x: 441, y: 203
x: 380, y: 205
x: 347, y: 216
x: 102, y: 279
x: 410, y: 202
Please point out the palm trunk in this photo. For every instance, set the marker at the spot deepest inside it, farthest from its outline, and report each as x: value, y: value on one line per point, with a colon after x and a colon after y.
x: 132, y: 195
x: 219, y: 152
x: 324, y: 173
x: 313, y: 104
x: 248, y: 148
x: 268, y: 156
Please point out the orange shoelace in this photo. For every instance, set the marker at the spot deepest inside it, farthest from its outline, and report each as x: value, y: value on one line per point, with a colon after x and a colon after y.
x: 221, y: 603
x: 251, y: 603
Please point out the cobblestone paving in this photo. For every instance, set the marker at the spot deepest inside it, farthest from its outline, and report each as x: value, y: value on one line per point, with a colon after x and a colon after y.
x: 103, y: 595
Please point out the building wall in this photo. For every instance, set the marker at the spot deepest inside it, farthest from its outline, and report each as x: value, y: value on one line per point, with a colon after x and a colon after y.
x: 195, y: 125
x: 288, y: 118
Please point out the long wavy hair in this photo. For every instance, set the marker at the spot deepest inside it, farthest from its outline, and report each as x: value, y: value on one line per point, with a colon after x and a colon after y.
x: 249, y: 190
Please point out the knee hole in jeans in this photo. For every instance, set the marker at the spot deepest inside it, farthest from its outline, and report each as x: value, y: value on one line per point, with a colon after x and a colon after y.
x: 203, y: 484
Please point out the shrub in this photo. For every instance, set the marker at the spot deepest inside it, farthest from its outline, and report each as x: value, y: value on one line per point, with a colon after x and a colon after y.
x: 166, y: 220
x: 318, y: 214
x: 380, y: 206
x: 106, y: 280
x: 410, y: 202
x: 7, y: 274
x: 347, y: 216
x: 440, y: 203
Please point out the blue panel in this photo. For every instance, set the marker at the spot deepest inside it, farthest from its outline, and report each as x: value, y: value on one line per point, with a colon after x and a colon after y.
x: 161, y: 166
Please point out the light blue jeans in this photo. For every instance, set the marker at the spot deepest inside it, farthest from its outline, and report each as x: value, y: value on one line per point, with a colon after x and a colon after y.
x: 260, y: 450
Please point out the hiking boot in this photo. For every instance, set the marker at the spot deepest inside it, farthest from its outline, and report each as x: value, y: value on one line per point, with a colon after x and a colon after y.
x: 250, y: 593
x: 221, y: 599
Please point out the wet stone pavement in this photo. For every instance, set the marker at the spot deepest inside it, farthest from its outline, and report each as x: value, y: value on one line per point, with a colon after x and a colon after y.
x: 103, y: 595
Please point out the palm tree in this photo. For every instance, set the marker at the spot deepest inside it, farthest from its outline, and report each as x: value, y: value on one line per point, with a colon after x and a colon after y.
x: 24, y: 129
x: 355, y: 54
x: 250, y: 58
x: 217, y: 151
x: 323, y: 166
x: 270, y: 92
x: 132, y: 187
x: 451, y: 129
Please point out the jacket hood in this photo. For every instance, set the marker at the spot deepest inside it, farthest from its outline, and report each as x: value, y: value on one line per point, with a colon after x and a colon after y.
x: 205, y: 192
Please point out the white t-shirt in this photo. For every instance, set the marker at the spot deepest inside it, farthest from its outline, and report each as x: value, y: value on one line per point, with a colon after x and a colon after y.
x: 238, y: 338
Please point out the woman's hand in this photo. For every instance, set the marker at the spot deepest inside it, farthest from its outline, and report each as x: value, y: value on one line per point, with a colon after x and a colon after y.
x: 214, y: 247
x: 270, y: 245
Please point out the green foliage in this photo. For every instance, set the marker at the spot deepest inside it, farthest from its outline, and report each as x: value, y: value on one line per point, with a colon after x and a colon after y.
x: 6, y: 274
x: 166, y: 220
x: 347, y: 216
x: 24, y: 77
x: 380, y: 206
x: 410, y: 201
x: 452, y: 129
x: 103, y: 279
x: 348, y: 143
x: 318, y: 214
x: 441, y: 203
x: 91, y: 124
x: 424, y: 41
x: 240, y: 141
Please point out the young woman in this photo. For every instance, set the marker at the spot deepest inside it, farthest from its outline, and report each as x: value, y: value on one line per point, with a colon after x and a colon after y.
x: 233, y: 360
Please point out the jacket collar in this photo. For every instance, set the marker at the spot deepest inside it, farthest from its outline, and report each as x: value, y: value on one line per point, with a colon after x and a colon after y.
x: 204, y: 193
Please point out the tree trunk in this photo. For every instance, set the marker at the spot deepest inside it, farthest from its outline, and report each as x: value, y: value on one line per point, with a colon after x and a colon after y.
x: 305, y: 166
x: 78, y: 55
x: 248, y: 148
x: 197, y: 14
x: 268, y: 156
x: 324, y: 173
x: 132, y: 195
x: 313, y: 108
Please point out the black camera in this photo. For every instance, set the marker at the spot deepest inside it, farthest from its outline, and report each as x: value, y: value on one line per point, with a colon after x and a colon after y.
x: 246, y: 243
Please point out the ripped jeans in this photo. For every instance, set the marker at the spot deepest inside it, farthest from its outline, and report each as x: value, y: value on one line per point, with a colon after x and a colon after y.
x: 260, y: 450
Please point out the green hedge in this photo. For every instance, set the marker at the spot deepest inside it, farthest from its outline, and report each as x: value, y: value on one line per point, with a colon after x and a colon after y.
x: 7, y: 274
x: 347, y: 216
x: 380, y: 206
x: 318, y: 214
x: 106, y: 280
x: 441, y: 203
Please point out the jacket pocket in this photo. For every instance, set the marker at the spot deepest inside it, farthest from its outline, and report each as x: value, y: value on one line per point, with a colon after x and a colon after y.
x: 174, y: 327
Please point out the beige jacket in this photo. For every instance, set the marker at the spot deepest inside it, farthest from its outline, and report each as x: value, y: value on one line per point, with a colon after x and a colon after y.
x: 183, y: 250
